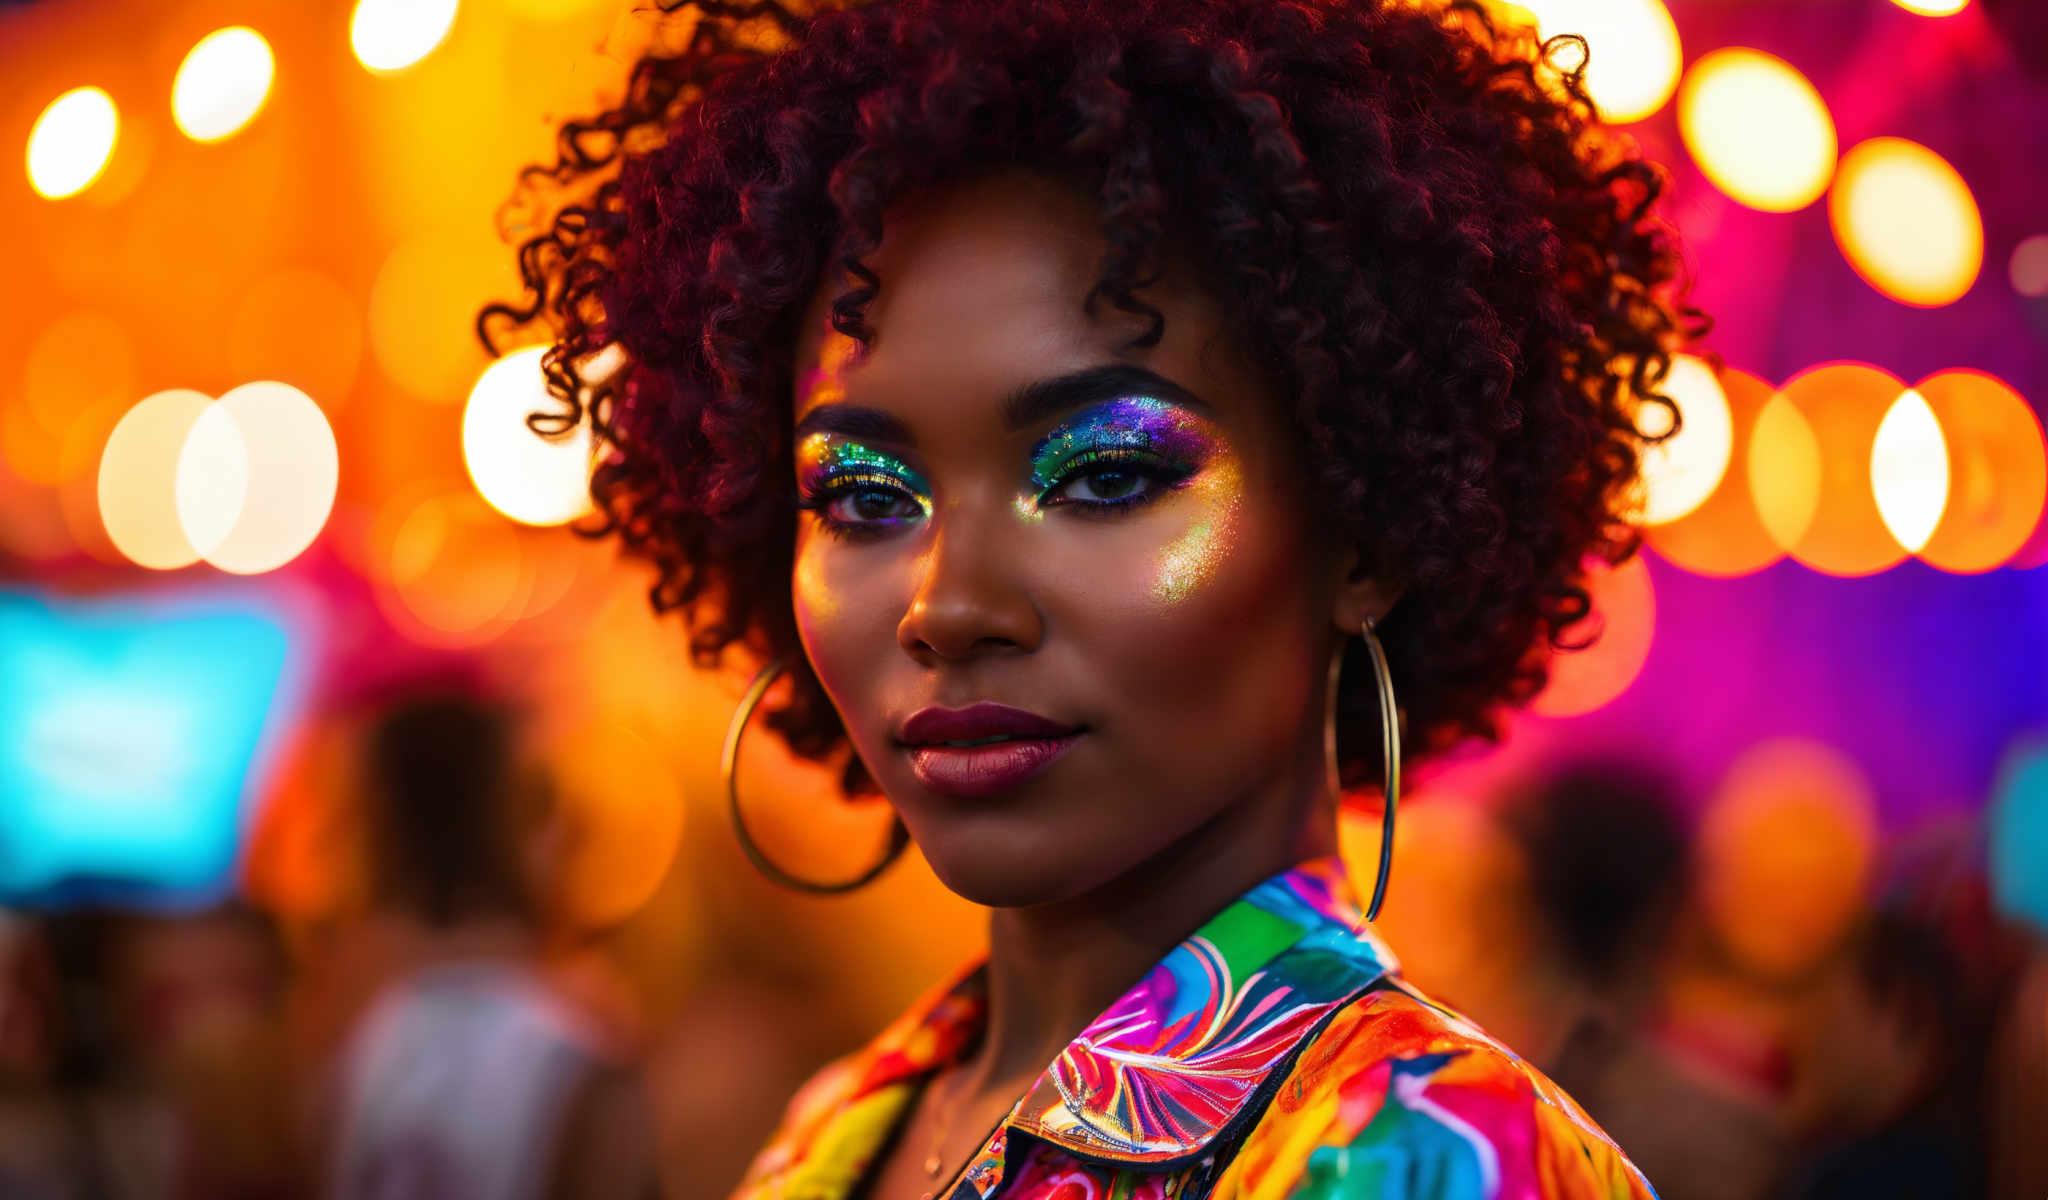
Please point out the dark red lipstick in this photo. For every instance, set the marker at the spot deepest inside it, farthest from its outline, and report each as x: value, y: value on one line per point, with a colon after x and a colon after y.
x: 981, y: 749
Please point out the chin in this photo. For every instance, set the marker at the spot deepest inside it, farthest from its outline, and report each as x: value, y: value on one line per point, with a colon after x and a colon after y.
x: 985, y: 864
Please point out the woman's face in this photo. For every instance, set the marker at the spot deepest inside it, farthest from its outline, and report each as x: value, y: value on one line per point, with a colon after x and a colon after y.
x: 1004, y: 506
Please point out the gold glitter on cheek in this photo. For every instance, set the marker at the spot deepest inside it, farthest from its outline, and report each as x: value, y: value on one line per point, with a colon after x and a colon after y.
x: 1194, y: 557
x: 816, y: 601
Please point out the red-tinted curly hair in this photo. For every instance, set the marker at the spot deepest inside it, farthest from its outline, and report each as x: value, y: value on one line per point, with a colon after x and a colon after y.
x: 1412, y: 216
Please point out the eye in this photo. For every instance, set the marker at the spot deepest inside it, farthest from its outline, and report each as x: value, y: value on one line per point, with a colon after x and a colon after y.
x: 1107, y: 482
x: 1103, y: 485
x: 869, y: 505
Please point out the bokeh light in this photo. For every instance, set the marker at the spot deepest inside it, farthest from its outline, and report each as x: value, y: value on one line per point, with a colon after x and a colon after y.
x: 222, y: 83
x: 1725, y: 536
x: 138, y: 483
x: 531, y: 479
x: 390, y: 35
x: 72, y: 142
x: 2028, y: 266
x: 1458, y: 902
x: 1997, y: 468
x: 1625, y: 618
x: 1784, y: 471
x: 1633, y: 50
x: 1909, y: 471
x: 1810, y: 468
x: 1680, y: 472
x: 451, y: 570
x: 624, y: 825
x: 423, y: 304
x: 257, y: 514
x: 80, y: 375
x: 1933, y: 8
x: 1906, y: 222
x: 1786, y: 849
x: 213, y: 479
x: 1758, y: 129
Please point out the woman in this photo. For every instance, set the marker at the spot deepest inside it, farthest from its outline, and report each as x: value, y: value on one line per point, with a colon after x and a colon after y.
x: 1069, y: 398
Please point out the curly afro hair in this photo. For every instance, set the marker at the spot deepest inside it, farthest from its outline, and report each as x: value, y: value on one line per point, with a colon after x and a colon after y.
x: 1412, y: 214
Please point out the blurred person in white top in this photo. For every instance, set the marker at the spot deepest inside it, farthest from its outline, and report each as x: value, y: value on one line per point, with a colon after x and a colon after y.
x: 472, y: 1076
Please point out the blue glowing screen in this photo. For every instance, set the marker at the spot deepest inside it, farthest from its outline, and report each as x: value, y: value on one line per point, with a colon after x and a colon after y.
x: 127, y: 734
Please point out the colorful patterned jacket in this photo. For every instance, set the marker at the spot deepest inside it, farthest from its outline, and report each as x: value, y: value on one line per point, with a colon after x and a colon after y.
x: 1276, y: 1053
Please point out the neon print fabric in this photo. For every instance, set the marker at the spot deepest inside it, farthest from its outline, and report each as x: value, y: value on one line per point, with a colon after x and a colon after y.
x: 1275, y: 1054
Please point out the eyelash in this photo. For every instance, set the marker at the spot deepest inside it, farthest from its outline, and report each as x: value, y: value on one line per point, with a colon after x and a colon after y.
x: 818, y: 499
x: 1155, y: 471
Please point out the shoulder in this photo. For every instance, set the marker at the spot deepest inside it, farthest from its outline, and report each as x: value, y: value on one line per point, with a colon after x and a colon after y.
x: 1398, y: 1096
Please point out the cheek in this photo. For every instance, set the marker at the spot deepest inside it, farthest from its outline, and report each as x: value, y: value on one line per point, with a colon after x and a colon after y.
x: 1209, y: 615
x: 1190, y: 563
x: 840, y: 616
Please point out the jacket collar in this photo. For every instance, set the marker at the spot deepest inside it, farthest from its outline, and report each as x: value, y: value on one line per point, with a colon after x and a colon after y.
x: 1182, y: 1055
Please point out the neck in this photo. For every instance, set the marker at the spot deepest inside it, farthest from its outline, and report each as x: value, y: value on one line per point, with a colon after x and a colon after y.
x: 1053, y: 968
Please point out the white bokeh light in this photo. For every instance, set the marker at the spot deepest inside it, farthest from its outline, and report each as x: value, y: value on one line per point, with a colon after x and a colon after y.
x: 222, y: 83
x: 531, y: 479
x: 391, y: 35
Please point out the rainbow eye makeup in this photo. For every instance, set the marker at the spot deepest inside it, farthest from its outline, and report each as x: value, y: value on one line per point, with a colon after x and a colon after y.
x: 856, y: 489
x: 1120, y: 452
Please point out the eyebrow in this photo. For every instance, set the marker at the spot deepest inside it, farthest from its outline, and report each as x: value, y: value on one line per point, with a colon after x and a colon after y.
x: 1032, y: 404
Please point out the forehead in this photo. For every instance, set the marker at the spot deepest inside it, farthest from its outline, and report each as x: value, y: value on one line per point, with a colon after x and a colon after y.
x: 983, y: 284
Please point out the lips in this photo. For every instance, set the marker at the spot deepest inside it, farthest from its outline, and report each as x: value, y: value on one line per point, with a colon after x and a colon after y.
x: 982, y: 749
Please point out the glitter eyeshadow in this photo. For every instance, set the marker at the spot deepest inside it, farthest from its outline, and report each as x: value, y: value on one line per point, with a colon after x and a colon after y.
x: 822, y: 460
x: 1179, y: 438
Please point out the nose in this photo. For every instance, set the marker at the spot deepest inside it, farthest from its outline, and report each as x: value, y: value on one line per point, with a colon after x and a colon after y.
x: 969, y: 600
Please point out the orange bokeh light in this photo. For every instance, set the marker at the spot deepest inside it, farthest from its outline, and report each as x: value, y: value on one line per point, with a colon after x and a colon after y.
x: 1625, y: 617
x: 1810, y: 468
x: 452, y: 570
x: 624, y: 815
x: 422, y: 316
x: 79, y: 377
x: 1457, y: 904
x: 1998, y: 471
x: 1725, y: 536
x: 1786, y: 850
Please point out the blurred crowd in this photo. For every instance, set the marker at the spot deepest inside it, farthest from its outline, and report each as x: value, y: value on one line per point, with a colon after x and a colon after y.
x: 1750, y: 1019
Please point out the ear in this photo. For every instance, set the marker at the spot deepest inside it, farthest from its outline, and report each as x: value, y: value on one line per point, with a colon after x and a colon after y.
x: 1361, y: 594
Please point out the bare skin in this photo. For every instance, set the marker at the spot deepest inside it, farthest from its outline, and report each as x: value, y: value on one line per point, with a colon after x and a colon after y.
x: 1187, y: 633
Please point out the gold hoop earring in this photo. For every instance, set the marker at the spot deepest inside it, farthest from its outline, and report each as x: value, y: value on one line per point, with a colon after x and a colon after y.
x: 1390, y: 754
x: 728, y: 766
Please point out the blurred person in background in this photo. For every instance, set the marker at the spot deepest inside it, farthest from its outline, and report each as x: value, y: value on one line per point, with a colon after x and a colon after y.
x: 39, y: 1149
x: 473, y: 1075
x: 1063, y: 400
x: 171, y: 1072
x: 1924, y: 1070
x: 1609, y: 869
